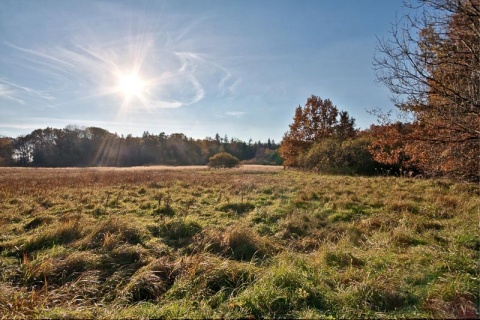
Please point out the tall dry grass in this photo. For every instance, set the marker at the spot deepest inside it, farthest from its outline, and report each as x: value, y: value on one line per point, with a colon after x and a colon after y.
x: 247, y: 242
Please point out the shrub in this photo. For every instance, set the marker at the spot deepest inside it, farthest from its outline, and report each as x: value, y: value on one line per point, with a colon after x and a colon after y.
x: 223, y: 160
x: 340, y: 157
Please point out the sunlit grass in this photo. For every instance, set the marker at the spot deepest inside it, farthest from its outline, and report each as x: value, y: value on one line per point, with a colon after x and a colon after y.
x: 259, y: 242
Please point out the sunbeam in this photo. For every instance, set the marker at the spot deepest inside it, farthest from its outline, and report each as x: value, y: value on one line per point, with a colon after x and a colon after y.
x: 132, y: 66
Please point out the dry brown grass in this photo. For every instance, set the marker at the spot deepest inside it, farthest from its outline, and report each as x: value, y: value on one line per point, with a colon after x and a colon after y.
x: 189, y: 242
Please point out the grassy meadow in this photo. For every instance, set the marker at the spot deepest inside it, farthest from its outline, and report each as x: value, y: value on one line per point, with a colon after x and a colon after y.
x: 249, y: 242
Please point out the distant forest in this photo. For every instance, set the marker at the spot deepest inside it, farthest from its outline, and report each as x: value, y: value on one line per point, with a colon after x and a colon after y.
x: 92, y: 146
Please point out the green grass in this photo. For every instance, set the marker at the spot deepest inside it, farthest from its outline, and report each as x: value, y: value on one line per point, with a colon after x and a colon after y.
x: 246, y: 242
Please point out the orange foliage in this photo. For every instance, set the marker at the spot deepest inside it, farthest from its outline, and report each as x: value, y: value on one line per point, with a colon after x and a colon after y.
x: 438, y: 76
x: 317, y: 120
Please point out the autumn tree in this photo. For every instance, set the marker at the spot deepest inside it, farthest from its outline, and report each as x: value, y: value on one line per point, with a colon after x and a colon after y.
x: 6, y: 151
x: 318, y: 119
x: 294, y: 141
x: 431, y: 64
x: 389, y: 145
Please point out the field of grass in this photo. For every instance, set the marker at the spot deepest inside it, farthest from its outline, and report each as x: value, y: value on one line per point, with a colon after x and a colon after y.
x: 248, y: 242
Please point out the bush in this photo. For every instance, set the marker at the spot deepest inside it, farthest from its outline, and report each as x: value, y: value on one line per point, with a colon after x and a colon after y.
x: 340, y: 157
x: 223, y: 160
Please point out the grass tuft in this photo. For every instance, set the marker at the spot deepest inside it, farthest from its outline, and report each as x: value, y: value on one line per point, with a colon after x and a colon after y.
x: 239, y: 208
x: 62, y: 233
x: 111, y: 232
x: 37, y: 222
x: 179, y: 231
x: 342, y: 259
x: 236, y: 242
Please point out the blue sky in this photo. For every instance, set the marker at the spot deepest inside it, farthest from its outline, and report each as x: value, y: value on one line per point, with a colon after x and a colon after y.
x: 199, y: 67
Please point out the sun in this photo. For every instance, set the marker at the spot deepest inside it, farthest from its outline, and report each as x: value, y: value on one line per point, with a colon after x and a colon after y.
x: 131, y: 85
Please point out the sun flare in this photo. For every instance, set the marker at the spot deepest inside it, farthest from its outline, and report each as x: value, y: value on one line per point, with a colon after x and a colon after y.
x: 131, y: 85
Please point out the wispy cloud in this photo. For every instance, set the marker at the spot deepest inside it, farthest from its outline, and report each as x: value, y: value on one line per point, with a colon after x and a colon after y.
x: 88, y: 65
x: 179, y: 63
x: 42, y: 56
x: 16, y: 92
x: 235, y: 113
x: 231, y: 114
x: 88, y: 70
x: 5, y: 91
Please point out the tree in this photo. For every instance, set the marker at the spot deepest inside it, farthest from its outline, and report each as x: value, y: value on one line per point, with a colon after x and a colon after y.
x: 294, y: 141
x: 431, y: 65
x: 223, y: 160
x: 345, y: 128
x: 44, y: 146
x: 317, y: 120
x: 6, y: 151
x: 389, y: 145
x: 23, y: 150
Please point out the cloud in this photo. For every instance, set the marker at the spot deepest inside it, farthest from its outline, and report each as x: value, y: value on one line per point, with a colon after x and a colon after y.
x: 181, y: 60
x: 232, y: 88
x: 18, y: 93
x: 81, y: 70
x: 4, y: 90
x: 204, y: 72
x: 236, y: 114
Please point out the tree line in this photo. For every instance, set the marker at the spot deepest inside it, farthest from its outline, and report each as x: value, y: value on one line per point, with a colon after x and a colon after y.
x: 431, y: 65
x: 92, y: 146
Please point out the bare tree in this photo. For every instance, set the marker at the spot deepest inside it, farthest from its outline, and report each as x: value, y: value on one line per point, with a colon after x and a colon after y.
x: 431, y: 65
